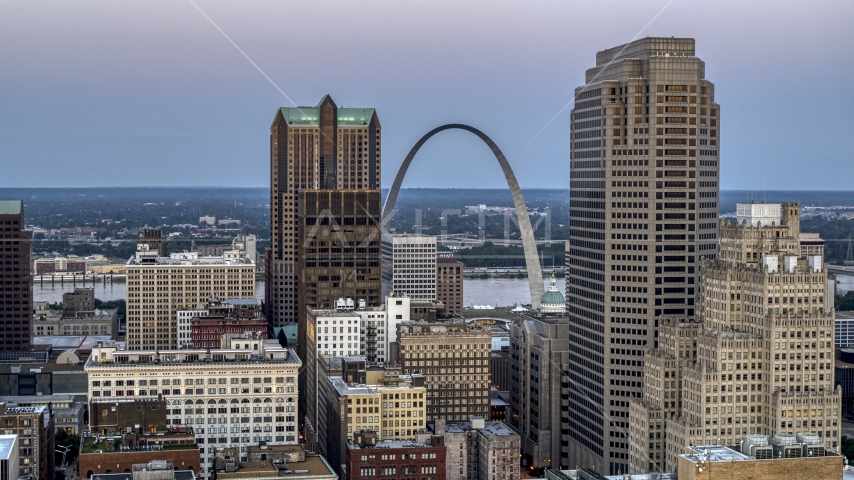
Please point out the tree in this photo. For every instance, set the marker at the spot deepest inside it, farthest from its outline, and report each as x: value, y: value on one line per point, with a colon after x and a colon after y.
x: 119, y: 305
x: 845, y: 302
x: 64, y: 439
x: 847, y: 448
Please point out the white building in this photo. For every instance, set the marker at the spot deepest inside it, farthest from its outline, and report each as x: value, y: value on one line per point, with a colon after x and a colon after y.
x: 184, y: 318
x: 231, y: 397
x: 409, y: 266
x: 9, y: 460
x: 756, y: 214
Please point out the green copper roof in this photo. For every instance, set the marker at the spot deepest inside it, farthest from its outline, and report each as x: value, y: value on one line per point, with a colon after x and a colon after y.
x: 11, y: 207
x: 553, y: 298
x: 309, y: 116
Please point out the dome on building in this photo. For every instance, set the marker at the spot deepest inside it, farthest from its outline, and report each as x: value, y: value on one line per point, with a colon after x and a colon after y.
x: 553, y: 301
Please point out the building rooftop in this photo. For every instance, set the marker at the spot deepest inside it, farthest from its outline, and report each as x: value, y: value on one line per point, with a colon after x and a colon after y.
x: 73, y: 342
x: 179, y: 475
x: 25, y: 410
x: 586, y: 474
x: 11, y: 207
x: 338, y: 383
x: 314, y: 467
x: 336, y: 313
x: 714, y: 453
x: 310, y: 116
x: 490, y: 429
x: 269, y: 351
x: 388, y: 444
x: 7, y: 443
x: 55, y: 399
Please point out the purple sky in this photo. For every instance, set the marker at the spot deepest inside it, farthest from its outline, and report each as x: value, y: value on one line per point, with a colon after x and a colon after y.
x: 150, y: 93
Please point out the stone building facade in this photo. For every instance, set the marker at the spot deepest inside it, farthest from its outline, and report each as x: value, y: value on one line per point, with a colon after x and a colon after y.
x: 758, y: 359
x: 539, y: 390
x: 455, y: 360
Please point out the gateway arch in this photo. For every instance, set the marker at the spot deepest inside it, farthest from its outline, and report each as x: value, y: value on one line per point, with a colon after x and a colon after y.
x: 535, y: 275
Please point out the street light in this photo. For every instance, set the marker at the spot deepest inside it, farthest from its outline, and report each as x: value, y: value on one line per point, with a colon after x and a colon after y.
x: 64, y: 452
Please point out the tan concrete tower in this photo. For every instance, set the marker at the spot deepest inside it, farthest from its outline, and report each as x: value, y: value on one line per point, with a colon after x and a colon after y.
x: 643, y: 213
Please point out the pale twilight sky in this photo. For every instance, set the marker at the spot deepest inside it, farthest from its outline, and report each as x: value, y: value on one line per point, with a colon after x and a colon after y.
x: 149, y: 93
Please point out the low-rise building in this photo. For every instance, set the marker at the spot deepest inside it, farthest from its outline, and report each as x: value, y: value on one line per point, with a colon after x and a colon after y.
x: 35, y: 429
x: 127, y: 432
x: 67, y: 410
x: 368, y: 458
x: 268, y: 462
x: 766, y: 459
x: 153, y: 470
x: 81, y: 300
x: 95, y: 322
x: 46, y: 370
x: 71, y: 264
x: 231, y: 396
x: 391, y: 405
x: 230, y: 316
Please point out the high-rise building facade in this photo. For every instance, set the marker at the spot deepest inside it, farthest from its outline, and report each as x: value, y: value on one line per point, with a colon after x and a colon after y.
x: 338, y: 251
x: 312, y: 148
x: 454, y: 359
x: 159, y: 287
x: 449, y: 283
x: 17, y: 305
x: 539, y: 352
x: 643, y: 213
x: 409, y: 266
x: 759, y: 358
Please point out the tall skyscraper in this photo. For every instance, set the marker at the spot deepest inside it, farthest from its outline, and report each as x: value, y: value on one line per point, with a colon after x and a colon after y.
x: 17, y: 305
x: 339, y: 248
x: 312, y: 148
x: 643, y: 213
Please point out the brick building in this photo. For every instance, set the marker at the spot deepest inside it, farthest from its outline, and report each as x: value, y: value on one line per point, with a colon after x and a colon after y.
x: 368, y: 458
x: 134, y: 431
x: 449, y: 283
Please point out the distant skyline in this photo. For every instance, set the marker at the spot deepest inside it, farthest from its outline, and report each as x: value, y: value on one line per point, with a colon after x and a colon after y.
x: 100, y: 93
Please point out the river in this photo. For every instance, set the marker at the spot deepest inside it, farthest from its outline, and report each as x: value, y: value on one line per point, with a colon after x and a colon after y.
x: 476, y: 291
